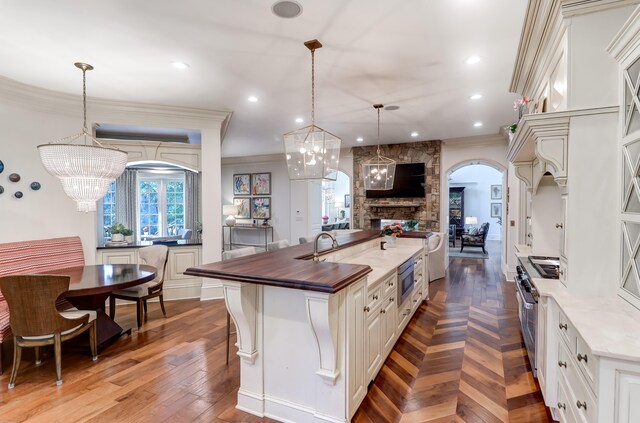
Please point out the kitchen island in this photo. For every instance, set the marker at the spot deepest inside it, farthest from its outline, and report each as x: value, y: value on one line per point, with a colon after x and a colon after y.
x: 312, y: 335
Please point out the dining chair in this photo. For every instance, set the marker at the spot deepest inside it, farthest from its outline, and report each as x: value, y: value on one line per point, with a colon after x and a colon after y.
x: 228, y: 255
x: 35, y: 321
x: 153, y: 255
x: 277, y: 245
x: 305, y: 239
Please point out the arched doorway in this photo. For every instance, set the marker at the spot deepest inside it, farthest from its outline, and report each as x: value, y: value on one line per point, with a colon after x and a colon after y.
x: 477, y: 195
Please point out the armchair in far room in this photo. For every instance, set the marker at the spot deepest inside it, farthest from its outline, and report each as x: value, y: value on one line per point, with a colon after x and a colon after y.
x: 436, y: 256
x: 476, y: 239
x: 452, y: 235
x: 185, y: 233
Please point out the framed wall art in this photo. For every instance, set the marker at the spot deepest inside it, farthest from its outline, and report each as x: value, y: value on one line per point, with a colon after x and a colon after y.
x: 496, y: 209
x: 242, y: 184
x: 261, y: 183
x: 496, y: 192
x: 261, y: 207
x: 244, y: 207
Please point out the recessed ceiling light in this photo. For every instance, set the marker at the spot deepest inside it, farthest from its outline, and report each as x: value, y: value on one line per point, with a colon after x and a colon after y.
x: 286, y: 9
x: 477, y: 124
x: 392, y: 107
x: 476, y: 97
x: 299, y: 120
x: 253, y: 99
x: 414, y: 134
x: 180, y: 65
x: 472, y: 60
x: 359, y: 139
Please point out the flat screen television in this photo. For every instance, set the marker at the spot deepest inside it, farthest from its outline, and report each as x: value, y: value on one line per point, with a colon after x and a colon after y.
x: 409, y: 182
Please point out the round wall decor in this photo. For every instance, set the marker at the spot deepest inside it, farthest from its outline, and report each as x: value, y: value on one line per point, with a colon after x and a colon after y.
x: 1, y: 189
x: 35, y: 186
x: 14, y: 177
x: 1, y: 166
x: 18, y: 194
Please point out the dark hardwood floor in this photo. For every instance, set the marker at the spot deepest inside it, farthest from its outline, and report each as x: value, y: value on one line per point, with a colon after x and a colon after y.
x: 461, y: 359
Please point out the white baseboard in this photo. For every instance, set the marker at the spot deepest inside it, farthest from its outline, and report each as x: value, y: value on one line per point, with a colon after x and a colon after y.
x: 494, y: 237
x: 211, y: 289
x: 280, y: 410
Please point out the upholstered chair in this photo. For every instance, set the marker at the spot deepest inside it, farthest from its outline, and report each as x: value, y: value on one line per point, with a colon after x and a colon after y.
x: 185, y: 233
x: 435, y: 247
x: 153, y: 255
x: 35, y: 321
x: 228, y: 255
x: 277, y: 245
x: 305, y: 239
x: 476, y: 239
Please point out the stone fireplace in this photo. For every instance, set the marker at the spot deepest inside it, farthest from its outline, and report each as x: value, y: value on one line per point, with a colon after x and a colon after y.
x: 367, y: 212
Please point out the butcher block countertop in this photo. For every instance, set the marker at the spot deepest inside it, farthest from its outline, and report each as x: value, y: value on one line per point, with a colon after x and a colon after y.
x: 292, y: 267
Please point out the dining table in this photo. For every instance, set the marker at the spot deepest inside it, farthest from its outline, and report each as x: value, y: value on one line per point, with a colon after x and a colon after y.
x: 91, y: 285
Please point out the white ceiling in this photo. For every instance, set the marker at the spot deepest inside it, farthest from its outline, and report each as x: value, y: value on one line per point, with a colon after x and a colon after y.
x: 409, y: 53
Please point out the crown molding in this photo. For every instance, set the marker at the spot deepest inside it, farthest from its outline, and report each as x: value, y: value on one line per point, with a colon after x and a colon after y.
x: 49, y: 101
x: 543, y: 30
x: 627, y: 39
x: 264, y: 158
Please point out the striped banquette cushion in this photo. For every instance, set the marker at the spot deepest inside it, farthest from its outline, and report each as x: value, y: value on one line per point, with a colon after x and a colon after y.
x: 36, y: 256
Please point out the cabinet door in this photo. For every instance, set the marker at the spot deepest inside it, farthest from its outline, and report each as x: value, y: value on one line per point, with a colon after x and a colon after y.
x: 356, y: 343
x: 563, y: 227
x: 629, y: 390
x: 374, y: 343
x: 119, y: 256
x: 541, y: 343
x: 388, y: 313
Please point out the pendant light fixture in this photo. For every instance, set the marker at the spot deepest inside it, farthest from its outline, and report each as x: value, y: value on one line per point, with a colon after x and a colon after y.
x: 85, y: 170
x: 379, y: 171
x: 312, y: 153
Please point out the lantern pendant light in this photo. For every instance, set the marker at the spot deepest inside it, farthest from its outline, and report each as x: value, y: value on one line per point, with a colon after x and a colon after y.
x: 85, y: 170
x: 380, y: 171
x: 312, y: 153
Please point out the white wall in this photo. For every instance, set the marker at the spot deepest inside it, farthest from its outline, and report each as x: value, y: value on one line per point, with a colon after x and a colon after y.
x: 546, y: 212
x: 477, y: 180
x: 31, y: 116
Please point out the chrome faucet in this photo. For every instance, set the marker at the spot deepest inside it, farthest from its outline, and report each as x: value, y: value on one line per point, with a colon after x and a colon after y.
x: 315, y: 244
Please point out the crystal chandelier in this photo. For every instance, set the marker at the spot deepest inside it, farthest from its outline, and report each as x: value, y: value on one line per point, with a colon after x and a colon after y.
x: 311, y: 152
x: 379, y: 171
x: 85, y: 170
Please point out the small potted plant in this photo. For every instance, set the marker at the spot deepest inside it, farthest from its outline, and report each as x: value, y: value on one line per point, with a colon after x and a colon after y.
x: 325, y: 219
x: 128, y: 235
x: 390, y: 233
x: 116, y: 231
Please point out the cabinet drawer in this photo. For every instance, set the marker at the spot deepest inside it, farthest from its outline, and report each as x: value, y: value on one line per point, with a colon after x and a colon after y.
x: 567, y: 332
x: 565, y: 407
x: 578, y: 394
x: 389, y: 286
x: 587, y: 363
x: 374, y: 297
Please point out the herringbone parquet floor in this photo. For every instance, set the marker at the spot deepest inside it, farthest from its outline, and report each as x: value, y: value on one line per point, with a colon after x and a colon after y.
x: 461, y: 358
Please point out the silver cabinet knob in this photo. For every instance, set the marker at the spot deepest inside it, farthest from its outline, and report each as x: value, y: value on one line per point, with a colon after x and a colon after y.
x: 562, y: 364
x: 559, y: 225
x: 563, y: 326
x: 375, y: 297
x: 383, y: 311
x: 582, y: 405
x: 581, y: 357
x: 391, y: 299
x: 562, y: 406
x: 560, y: 272
x: 367, y: 309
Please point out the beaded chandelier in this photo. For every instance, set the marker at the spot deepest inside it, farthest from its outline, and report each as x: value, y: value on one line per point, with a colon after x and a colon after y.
x: 85, y: 170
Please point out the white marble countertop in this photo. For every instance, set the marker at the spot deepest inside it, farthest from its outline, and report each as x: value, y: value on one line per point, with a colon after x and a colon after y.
x: 382, y: 262
x: 609, y: 325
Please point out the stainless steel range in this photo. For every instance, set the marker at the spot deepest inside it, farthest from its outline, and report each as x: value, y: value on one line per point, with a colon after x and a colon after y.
x: 527, y: 295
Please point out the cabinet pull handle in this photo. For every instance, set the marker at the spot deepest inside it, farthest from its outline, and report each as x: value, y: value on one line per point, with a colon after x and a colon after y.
x: 560, y: 272
x: 563, y: 326
x: 375, y: 297
x: 383, y: 311
x: 391, y: 299
x: 367, y: 309
x: 390, y: 283
x: 582, y: 405
x: 562, y: 364
x: 559, y: 225
x: 562, y: 406
x: 581, y: 357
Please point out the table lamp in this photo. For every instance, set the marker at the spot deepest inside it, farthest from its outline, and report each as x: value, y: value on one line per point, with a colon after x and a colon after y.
x: 231, y: 211
x: 471, y: 220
